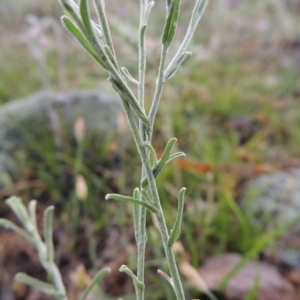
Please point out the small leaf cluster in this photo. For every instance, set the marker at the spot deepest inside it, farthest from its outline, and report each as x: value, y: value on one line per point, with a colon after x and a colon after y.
x: 44, y: 247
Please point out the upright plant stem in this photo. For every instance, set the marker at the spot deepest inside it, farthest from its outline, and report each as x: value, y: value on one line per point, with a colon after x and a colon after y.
x: 146, y: 168
x: 177, y: 285
x: 158, y: 90
x: 142, y: 236
x: 104, y: 24
x: 142, y: 54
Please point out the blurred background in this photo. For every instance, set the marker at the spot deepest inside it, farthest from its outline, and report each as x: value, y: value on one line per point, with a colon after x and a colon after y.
x: 234, y: 107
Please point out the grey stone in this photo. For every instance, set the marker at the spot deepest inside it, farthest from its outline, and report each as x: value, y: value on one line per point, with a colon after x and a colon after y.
x: 271, y: 285
x: 273, y: 199
x: 103, y: 116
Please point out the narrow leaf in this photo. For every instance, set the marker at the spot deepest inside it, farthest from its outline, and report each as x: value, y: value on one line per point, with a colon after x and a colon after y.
x: 136, y: 195
x: 169, y: 4
x: 110, y: 56
x: 100, y: 8
x: 32, y: 211
x: 165, y: 276
x: 166, y: 154
x: 19, y: 209
x: 130, y: 99
x: 148, y: 10
x: 74, y: 30
x: 71, y: 9
x: 175, y: 233
x: 85, y: 15
x: 197, y: 12
x: 199, y: 7
x: 163, y: 161
x: 142, y: 33
x: 146, y: 196
x: 98, y: 30
x: 132, y: 200
x: 95, y: 280
x: 152, y: 152
x: 129, y: 76
x: 174, y: 68
x: 38, y: 284
x: 171, y: 23
x: 80, y: 17
x: 175, y: 155
x: 48, y: 217
x: 137, y: 283
x: 11, y: 226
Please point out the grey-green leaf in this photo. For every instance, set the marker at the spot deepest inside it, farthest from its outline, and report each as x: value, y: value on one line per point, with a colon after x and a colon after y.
x: 32, y: 211
x: 175, y: 233
x: 166, y: 158
x: 85, y: 15
x: 152, y: 152
x: 100, y: 8
x: 126, y: 73
x: 48, y: 217
x: 70, y: 8
x: 169, y: 4
x: 137, y: 283
x: 171, y: 23
x: 75, y: 31
x: 167, y: 152
x: 111, y: 56
x: 174, y: 68
x: 126, y: 95
x: 199, y: 7
x: 19, y: 209
x: 166, y: 155
x: 38, y: 284
x: 148, y: 10
x: 11, y: 226
x: 175, y: 155
x: 132, y: 200
x: 136, y: 195
x: 146, y: 196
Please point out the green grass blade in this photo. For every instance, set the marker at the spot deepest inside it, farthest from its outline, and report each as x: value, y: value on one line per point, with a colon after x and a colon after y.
x: 95, y: 280
x: 258, y: 245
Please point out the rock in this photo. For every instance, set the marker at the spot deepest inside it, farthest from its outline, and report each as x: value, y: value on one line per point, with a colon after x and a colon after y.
x: 285, y: 253
x: 272, y: 285
x: 272, y: 200
x: 21, y: 118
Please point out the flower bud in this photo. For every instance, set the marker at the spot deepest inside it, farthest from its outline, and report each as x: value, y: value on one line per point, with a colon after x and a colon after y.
x: 81, y: 188
x: 79, y: 129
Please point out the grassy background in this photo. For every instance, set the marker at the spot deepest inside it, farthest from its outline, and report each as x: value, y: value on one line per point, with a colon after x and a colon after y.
x: 234, y: 108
